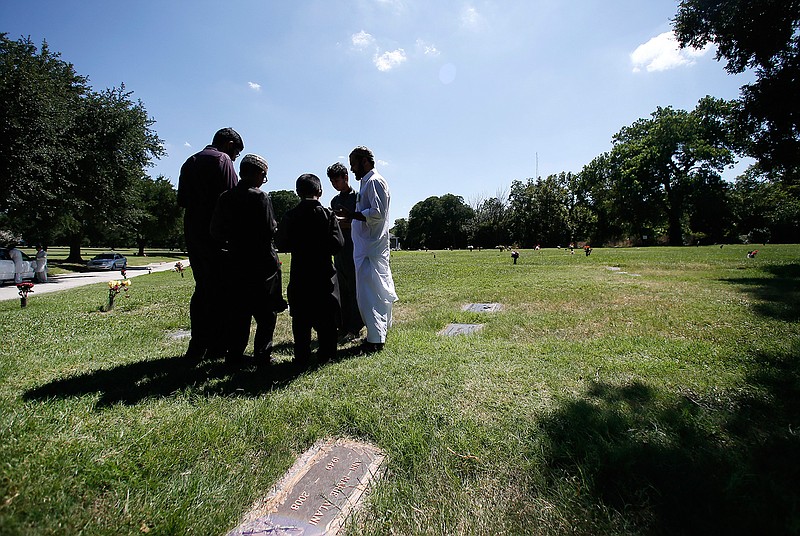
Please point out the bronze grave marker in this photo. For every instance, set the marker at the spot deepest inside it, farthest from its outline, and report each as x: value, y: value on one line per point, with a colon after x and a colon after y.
x: 318, y: 493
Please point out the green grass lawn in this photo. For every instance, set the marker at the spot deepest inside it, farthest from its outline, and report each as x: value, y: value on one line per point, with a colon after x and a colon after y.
x: 658, y: 397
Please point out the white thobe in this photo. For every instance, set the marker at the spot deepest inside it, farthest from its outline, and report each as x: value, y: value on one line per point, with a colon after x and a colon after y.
x: 16, y: 256
x: 41, y: 266
x: 374, y: 284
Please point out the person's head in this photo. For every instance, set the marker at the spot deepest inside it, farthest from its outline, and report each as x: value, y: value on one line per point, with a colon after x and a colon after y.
x: 308, y: 186
x: 253, y: 170
x: 229, y: 142
x: 361, y: 161
x: 337, y: 173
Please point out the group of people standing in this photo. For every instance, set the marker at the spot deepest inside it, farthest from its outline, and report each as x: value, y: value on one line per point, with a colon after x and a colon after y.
x: 340, y: 279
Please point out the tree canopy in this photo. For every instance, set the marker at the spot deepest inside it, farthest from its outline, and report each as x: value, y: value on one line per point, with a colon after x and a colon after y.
x: 763, y: 36
x: 657, y: 165
x: 70, y: 155
x: 438, y: 223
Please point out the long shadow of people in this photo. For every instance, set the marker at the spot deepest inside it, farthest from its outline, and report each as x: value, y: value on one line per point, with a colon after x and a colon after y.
x: 164, y: 377
x: 678, y: 464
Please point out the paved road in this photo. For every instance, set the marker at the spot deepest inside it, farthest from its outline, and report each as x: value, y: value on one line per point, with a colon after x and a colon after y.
x: 60, y: 282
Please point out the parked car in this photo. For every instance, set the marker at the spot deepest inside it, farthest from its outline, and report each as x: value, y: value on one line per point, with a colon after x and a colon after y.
x: 108, y: 261
x: 7, y: 266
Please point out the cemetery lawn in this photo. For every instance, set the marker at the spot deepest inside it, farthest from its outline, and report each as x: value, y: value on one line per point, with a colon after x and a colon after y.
x: 634, y: 391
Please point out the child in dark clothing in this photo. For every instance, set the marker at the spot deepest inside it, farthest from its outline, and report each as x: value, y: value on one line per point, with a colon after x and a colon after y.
x: 245, y: 222
x: 311, y: 233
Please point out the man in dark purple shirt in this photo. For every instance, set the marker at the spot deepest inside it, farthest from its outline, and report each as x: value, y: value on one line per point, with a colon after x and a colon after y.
x: 204, y: 176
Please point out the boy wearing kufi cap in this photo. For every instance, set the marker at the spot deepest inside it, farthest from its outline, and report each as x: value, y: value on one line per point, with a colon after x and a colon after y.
x: 245, y: 221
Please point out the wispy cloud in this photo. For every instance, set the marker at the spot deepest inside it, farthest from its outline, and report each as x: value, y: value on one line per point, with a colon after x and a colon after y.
x: 471, y: 19
x: 254, y: 86
x: 662, y: 53
x: 389, y: 60
x: 427, y: 49
x: 187, y: 144
x: 362, y: 40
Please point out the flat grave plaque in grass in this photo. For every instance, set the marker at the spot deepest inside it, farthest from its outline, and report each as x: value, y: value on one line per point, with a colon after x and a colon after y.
x: 482, y: 307
x: 180, y: 334
x: 460, y: 329
x: 318, y: 493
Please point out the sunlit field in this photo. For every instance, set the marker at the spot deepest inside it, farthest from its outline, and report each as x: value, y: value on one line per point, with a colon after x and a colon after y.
x: 633, y: 391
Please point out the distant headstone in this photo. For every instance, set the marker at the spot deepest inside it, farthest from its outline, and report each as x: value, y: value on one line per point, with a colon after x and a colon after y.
x: 482, y: 307
x: 460, y: 329
x: 318, y: 493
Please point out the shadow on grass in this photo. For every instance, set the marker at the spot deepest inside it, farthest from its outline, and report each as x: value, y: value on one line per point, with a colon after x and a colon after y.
x: 778, y: 295
x: 680, y: 465
x: 165, y: 377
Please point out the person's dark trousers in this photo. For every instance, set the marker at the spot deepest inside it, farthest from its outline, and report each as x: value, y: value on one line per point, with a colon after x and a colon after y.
x: 325, y: 326
x: 346, y: 276
x: 208, y: 322
x: 261, y: 301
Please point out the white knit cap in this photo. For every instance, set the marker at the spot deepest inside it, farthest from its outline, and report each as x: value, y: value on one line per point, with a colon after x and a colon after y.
x: 255, y: 160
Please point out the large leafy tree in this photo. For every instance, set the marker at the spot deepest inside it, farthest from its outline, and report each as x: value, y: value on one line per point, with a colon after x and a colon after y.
x: 282, y: 202
x: 118, y: 143
x: 439, y: 222
x: 489, y: 227
x: 155, y: 217
x: 400, y: 229
x: 763, y: 35
x: 539, y: 212
x: 656, y: 162
x: 764, y: 209
x: 69, y: 155
x: 40, y: 94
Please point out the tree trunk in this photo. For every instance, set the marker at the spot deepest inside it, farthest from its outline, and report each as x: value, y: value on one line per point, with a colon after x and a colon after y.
x: 674, y: 213
x: 75, y: 249
x: 141, y: 249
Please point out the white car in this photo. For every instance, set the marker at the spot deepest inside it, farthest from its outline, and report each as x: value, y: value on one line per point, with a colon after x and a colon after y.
x: 7, y: 266
x: 108, y: 261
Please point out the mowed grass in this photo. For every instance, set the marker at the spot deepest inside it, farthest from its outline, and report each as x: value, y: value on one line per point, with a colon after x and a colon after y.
x: 635, y: 391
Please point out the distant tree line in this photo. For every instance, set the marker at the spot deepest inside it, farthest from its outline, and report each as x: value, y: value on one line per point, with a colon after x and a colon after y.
x: 662, y: 183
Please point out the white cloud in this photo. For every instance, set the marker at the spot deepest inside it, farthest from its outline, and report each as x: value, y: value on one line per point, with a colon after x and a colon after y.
x: 389, y: 60
x: 663, y: 52
x: 362, y: 40
x: 471, y: 19
x: 254, y: 86
x: 426, y: 49
x: 382, y: 163
x: 187, y: 144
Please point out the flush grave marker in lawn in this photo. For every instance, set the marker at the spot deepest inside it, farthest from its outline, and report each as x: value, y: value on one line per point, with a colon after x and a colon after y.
x: 482, y: 307
x: 180, y: 334
x: 460, y: 329
x: 318, y: 493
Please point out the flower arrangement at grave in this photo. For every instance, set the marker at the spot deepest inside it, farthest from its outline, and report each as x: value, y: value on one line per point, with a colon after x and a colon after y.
x: 24, y: 288
x: 114, y: 288
x: 179, y: 268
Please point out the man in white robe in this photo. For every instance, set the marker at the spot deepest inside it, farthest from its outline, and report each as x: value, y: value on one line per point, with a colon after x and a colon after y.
x: 375, y: 291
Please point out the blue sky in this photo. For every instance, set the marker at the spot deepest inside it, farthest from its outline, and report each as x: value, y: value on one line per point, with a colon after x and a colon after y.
x: 452, y: 96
